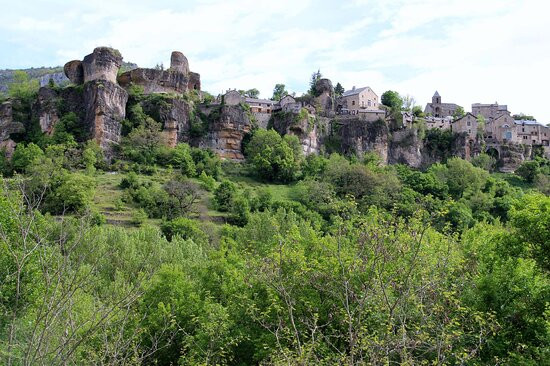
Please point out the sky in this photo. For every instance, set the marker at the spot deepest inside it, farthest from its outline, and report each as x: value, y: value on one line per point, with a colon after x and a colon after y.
x: 471, y: 51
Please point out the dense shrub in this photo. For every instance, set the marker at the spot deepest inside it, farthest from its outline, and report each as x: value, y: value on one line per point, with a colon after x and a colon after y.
x: 275, y: 158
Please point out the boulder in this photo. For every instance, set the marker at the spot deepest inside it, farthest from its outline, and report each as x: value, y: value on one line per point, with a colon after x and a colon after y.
x: 74, y: 71
x: 324, y: 86
x: 102, y: 64
x: 178, y: 62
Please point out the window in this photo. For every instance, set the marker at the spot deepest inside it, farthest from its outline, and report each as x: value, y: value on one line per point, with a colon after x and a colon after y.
x: 469, y: 123
x: 353, y: 102
x: 369, y: 102
x: 469, y: 131
x: 522, y: 129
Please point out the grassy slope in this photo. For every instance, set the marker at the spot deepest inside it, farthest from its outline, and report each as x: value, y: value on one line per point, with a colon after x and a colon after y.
x: 108, y: 196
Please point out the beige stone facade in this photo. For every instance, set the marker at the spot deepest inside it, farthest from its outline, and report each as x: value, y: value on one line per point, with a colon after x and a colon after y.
x: 438, y: 122
x: 358, y: 99
x: 438, y: 109
x: 489, y: 111
x: 467, y: 124
x: 502, y: 129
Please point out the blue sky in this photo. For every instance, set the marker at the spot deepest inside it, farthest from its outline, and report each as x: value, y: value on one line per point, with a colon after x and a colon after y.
x: 470, y: 51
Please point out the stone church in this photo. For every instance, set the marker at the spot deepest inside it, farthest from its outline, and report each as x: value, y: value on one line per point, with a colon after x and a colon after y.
x: 438, y: 109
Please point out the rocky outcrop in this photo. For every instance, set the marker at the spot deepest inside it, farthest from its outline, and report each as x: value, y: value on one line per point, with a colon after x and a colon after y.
x: 177, y: 79
x: 405, y: 148
x: 173, y: 113
x: 46, y: 109
x: 325, y: 98
x: 105, y: 105
x: 310, y: 130
x: 7, y: 125
x: 359, y: 137
x: 155, y: 81
x: 74, y: 71
x: 102, y: 64
x: 226, y: 132
x: 511, y: 156
x: 179, y: 63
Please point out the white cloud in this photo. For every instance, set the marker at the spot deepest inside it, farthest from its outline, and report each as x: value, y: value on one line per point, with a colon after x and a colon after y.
x: 469, y: 50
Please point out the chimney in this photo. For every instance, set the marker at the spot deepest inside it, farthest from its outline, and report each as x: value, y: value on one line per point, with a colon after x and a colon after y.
x: 353, y: 88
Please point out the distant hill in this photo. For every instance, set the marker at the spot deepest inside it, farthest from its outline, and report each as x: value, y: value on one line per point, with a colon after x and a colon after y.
x: 44, y: 74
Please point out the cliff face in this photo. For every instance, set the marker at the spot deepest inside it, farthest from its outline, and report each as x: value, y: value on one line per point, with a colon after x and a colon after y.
x: 7, y: 127
x: 359, y: 137
x: 173, y: 114
x: 226, y: 131
x: 105, y: 108
x: 310, y: 130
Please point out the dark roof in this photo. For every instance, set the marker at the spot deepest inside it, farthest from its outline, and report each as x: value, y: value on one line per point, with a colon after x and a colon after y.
x: 355, y: 91
x: 436, y: 94
x: 256, y: 100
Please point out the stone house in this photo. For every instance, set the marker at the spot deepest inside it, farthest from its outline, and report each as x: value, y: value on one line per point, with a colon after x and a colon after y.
x: 286, y: 100
x: 359, y: 99
x: 532, y: 132
x: 442, y: 123
x: 260, y: 105
x: 438, y: 109
x: 502, y: 129
x: 468, y: 124
x: 489, y: 111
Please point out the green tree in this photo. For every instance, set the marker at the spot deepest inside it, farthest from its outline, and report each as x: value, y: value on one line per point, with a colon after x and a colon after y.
x: 274, y: 157
x: 392, y: 100
x: 224, y: 195
x: 24, y: 156
x: 339, y: 90
x: 315, y: 77
x: 458, y: 113
x: 252, y: 93
x: 22, y: 86
x: 279, y: 92
x: 528, y: 170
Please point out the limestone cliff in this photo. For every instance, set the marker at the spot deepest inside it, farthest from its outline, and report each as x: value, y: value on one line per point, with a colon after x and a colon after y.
x: 225, y: 132
x: 7, y: 127
x: 105, y: 109
x: 310, y: 130
x: 359, y: 137
x: 173, y: 113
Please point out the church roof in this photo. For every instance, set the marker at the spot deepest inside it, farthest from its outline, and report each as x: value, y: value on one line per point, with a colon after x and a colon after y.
x: 436, y: 94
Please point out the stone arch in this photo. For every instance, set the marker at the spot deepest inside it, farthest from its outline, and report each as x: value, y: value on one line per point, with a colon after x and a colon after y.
x: 491, y: 151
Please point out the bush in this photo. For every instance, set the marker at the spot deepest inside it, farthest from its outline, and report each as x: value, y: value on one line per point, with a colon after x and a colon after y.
x: 207, y: 182
x: 184, y: 228
x: 23, y: 156
x: 528, y: 170
x: 182, y: 160
x: 139, y: 217
x: 206, y: 161
x: 224, y: 195
x: 275, y: 158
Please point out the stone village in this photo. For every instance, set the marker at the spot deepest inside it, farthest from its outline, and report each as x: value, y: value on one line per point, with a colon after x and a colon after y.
x: 355, y: 122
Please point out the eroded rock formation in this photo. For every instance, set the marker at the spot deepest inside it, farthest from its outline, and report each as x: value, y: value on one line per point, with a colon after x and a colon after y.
x: 225, y: 133
x: 359, y: 137
x: 46, y: 109
x: 177, y: 79
x: 102, y: 64
x: 105, y: 109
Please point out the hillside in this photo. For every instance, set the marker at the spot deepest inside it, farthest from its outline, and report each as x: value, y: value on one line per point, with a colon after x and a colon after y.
x: 145, y: 222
